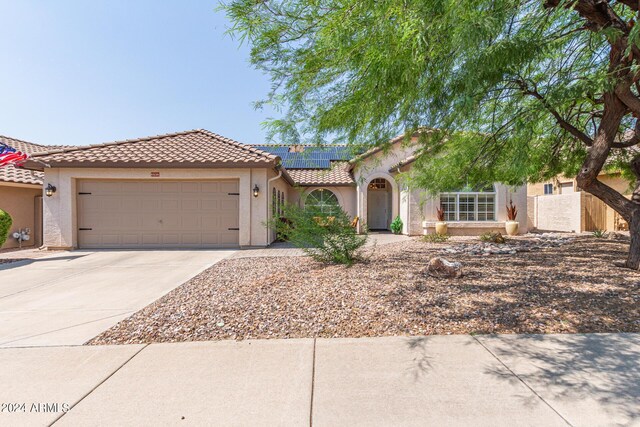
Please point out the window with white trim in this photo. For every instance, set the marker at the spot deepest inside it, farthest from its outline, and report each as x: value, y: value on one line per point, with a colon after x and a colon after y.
x: 548, y: 189
x: 469, y: 204
x: 322, y: 201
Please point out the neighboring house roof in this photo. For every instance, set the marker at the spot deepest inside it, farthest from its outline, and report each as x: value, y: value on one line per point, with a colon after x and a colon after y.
x: 18, y: 175
x: 194, y: 148
x: 338, y: 174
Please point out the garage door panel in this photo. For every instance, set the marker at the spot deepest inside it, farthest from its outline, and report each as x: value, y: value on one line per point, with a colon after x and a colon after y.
x: 156, y: 214
x: 129, y: 204
x: 130, y: 239
x: 210, y: 205
x: 190, y: 187
x: 170, y: 187
x: 150, y: 187
x: 151, y: 239
x: 150, y: 204
x: 191, y: 204
x: 170, y: 204
x: 210, y: 187
x: 229, y: 187
x: 190, y: 222
x: 111, y: 239
x: 130, y: 222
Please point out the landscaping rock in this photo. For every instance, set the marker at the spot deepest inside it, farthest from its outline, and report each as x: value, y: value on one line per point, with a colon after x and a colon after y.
x: 510, y: 247
x: 443, y: 269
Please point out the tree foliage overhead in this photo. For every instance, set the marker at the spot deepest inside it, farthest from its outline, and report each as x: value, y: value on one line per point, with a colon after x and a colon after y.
x: 518, y: 90
x: 363, y: 71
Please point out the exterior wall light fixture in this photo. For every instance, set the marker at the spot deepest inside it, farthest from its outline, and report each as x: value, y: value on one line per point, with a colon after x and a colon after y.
x: 49, y: 190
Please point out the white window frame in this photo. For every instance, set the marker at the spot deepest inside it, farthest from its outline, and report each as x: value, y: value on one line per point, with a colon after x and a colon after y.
x: 322, y: 189
x: 475, y: 195
x: 545, y: 187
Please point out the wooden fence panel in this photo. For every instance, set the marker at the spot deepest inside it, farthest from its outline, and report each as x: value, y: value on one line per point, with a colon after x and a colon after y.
x: 594, y: 213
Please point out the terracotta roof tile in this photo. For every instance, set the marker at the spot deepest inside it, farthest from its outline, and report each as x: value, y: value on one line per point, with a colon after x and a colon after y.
x: 184, y: 149
x: 339, y: 174
x: 17, y: 175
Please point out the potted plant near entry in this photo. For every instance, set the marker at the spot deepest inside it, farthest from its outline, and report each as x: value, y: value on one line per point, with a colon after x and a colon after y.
x: 511, y: 225
x: 441, y: 225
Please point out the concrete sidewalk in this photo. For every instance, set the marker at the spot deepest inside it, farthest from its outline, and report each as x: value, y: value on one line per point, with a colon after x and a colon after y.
x: 461, y: 380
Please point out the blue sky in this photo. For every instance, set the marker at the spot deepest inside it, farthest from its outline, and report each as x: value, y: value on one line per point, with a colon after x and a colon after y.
x: 84, y: 72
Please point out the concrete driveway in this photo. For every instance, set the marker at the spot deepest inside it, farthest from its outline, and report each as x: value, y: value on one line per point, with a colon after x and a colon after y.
x: 70, y: 297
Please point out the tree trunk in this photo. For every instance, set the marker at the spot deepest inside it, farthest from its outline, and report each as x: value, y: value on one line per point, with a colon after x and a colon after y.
x: 633, y: 259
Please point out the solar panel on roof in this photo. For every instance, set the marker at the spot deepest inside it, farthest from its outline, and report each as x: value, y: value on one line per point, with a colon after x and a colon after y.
x: 310, y: 158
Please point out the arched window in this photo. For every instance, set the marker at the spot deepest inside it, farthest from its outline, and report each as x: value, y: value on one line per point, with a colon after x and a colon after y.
x: 470, y: 204
x: 274, y: 201
x: 323, y: 201
x: 279, y: 208
x: 281, y: 203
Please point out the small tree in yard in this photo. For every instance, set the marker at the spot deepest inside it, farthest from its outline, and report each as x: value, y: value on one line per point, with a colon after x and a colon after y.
x: 519, y: 90
x: 5, y: 225
x: 328, y: 238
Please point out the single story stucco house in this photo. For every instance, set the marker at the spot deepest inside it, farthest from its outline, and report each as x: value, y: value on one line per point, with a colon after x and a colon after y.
x: 21, y: 195
x: 199, y: 189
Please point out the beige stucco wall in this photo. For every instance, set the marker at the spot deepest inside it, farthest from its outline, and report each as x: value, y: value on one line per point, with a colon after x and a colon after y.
x: 19, y: 201
x: 276, y: 181
x: 558, y: 212
x: 60, y: 230
x: 617, y: 182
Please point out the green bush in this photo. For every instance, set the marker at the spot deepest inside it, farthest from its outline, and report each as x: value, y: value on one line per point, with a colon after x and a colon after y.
x: 396, y: 225
x: 435, y: 238
x: 5, y: 225
x: 600, y: 234
x: 328, y: 238
x: 492, y: 237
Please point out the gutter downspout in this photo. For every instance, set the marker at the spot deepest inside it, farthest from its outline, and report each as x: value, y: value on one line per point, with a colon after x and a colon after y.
x: 269, y: 197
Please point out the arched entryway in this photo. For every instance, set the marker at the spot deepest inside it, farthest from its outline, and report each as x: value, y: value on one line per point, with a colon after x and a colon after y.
x: 379, y: 204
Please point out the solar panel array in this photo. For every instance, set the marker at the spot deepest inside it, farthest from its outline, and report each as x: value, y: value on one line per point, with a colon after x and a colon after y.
x: 310, y: 157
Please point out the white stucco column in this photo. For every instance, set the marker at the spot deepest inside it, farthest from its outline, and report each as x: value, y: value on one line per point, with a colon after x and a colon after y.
x: 405, y: 209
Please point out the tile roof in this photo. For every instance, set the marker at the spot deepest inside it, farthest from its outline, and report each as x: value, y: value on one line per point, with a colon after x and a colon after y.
x: 17, y: 175
x: 194, y: 148
x: 402, y: 163
x: 338, y: 174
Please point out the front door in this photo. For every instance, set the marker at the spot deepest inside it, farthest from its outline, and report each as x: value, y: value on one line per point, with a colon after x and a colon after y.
x: 378, y: 210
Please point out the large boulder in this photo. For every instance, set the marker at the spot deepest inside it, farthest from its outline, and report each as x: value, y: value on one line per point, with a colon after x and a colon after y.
x: 443, y: 269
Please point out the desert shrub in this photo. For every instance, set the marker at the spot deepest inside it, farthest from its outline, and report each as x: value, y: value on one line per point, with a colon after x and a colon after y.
x: 492, y: 237
x: 600, y: 234
x: 328, y: 238
x: 396, y: 225
x: 435, y: 238
x: 5, y: 225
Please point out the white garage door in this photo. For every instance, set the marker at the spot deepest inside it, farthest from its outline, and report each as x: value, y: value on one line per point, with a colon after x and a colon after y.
x: 138, y: 214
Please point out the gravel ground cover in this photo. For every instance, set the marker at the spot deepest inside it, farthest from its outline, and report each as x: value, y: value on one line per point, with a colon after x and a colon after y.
x: 574, y: 287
